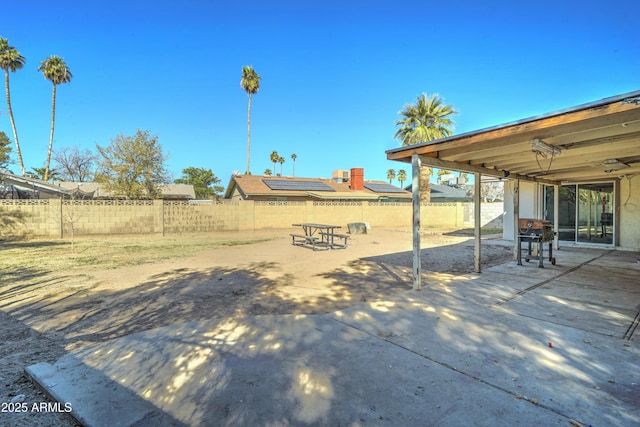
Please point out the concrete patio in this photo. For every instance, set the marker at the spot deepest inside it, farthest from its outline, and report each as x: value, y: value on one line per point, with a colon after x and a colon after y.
x: 515, y: 345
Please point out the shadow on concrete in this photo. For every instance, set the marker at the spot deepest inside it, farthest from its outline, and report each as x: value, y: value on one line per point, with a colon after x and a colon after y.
x: 441, y: 356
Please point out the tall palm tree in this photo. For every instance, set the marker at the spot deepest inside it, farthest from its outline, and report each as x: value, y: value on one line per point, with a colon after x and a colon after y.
x: 426, y: 120
x: 11, y: 60
x: 281, y: 161
x: 294, y: 157
x: 402, y: 177
x: 56, y: 71
x: 391, y: 175
x: 250, y: 82
x: 274, y: 157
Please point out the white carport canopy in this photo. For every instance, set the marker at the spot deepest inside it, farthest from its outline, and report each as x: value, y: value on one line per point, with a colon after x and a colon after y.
x: 589, y: 142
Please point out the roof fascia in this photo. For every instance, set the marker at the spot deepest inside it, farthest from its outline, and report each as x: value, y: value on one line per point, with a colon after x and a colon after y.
x: 343, y: 197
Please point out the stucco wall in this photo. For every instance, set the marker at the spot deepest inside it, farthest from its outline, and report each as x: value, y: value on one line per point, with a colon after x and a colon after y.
x: 528, y: 205
x: 630, y: 212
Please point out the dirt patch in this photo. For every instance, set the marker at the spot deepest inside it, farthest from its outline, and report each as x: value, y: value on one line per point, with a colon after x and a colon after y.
x: 48, y: 311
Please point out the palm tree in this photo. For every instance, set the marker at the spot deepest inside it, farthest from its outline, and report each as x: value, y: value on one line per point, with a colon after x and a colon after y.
x: 281, y: 161
x: 391, y: 175
x: 402, y: 177
x: 267, y: 172
x: 11, y: 60
x: 441, y: 173
x: 38, y: 173
x: 56, y: 71
x: 427, y: 120
x: 274, y: 157
x: 294, y: 157
x: 250, y: 82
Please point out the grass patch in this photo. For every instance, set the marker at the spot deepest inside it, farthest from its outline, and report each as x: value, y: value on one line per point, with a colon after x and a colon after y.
x: 60, y: 256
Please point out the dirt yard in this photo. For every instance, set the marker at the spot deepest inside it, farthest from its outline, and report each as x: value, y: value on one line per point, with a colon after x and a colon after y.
x: 55, y: 298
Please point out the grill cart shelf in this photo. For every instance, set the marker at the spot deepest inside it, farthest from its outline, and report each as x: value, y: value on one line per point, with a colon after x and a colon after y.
x: 537, y: 231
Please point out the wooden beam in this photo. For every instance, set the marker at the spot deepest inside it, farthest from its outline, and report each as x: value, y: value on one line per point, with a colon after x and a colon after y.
x: 516, y: 217
x: 445, y: 164
x: 477, y: 219
x: 556, y: 217
x: 464, y: 167
x: 415, y: 190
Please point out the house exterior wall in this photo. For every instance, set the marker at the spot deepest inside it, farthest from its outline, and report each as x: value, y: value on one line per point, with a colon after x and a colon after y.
x: 629, y: 235
x: 54, y: 218
x: 529, y: 202
x: 628, y: 211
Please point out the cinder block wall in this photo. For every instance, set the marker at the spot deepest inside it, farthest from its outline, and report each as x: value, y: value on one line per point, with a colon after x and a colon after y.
x: 55, y: 218
x: 109, y: 217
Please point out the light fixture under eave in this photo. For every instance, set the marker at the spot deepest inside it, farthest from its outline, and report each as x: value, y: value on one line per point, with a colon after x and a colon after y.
x: 539, y: 146
x: 610, y: 165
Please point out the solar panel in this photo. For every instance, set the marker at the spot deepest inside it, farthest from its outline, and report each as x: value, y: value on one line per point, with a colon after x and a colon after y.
x: 296, y: 185
x: 383, y: 188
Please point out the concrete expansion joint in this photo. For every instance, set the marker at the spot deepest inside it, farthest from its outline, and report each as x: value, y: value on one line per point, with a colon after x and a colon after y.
x: 549, y: 280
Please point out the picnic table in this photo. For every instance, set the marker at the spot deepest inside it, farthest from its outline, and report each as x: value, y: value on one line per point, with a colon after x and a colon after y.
x: 321, y: 236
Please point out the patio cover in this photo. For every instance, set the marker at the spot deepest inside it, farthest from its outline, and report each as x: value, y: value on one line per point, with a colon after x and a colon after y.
x: 594, y: 141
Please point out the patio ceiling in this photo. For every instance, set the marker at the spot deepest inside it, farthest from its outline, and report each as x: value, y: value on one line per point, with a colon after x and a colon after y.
x: 599, y: 140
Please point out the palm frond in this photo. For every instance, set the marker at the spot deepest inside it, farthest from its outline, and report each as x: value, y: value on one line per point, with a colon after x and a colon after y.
x: 426, y: 120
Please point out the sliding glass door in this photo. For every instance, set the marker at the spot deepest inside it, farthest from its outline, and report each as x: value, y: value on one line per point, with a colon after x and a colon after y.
x: 585, y: 212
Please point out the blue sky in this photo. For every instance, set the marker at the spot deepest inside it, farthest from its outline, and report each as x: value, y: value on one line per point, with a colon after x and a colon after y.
x: 334, y: 73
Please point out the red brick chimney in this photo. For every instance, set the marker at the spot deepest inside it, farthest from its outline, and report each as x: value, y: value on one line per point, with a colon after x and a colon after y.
x: 357, y: 179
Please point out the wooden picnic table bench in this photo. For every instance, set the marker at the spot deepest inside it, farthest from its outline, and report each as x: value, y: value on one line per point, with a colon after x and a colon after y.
x: 330, y: 239
x: 319, y: 235
x: 302, y: 240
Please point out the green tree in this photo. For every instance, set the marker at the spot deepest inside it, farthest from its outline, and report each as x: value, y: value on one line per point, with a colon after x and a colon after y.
x: 133, y: 166
x: 274, y: 157
x: 74, y: 164
x: 11, y: 60
x: 5, y: 151
x: 281, y: 161
x: 402, y: 177
x: 267, y: 172
x: 205, y: 183
x: 294, y: 157
x: 250, y: 83
x: 426, y: 120
x: 56, y: 71
x: 391, y: 175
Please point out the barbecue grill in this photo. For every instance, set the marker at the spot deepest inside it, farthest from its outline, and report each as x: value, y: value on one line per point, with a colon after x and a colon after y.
x: 538, y: 231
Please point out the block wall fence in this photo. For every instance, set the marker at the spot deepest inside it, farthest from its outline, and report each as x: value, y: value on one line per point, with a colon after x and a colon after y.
x: 54, y: 218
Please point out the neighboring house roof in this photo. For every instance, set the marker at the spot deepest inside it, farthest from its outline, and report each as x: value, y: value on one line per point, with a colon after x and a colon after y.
x: 178, y: 191
x: 97, y: 191
x: 441, y: 192
x: 447, y: 193
x: 258, y: 187
x: 8, y: 178
x: 88, y: 190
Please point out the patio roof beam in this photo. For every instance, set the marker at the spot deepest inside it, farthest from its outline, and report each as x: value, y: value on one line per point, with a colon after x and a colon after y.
x: 445, y: 164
